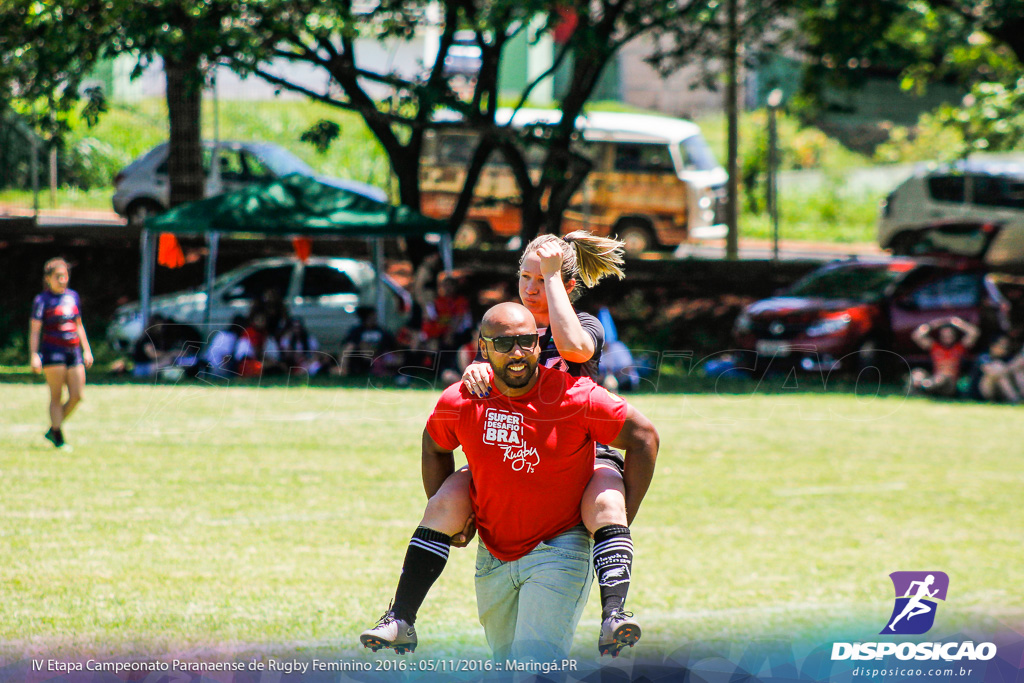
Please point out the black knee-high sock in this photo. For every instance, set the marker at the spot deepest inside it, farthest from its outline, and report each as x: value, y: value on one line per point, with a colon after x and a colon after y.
x: 424, y: 561
x: 613, y: 564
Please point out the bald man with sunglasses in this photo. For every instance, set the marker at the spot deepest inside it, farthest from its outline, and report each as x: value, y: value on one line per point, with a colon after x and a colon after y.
x: 530, y: 447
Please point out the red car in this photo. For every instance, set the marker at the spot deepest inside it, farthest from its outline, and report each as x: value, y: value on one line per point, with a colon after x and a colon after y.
x: 860, y: 313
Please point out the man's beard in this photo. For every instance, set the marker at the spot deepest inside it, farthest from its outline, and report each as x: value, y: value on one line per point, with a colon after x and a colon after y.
x: 516, y: 382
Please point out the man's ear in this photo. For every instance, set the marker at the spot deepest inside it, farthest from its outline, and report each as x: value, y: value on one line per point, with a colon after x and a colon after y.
x: 570, y: 285
x: 483, y: 348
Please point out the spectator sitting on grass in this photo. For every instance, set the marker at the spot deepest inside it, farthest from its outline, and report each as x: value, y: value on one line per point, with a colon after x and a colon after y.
x: 257, y: 351
x: 299, y: 348
x: 947, y: 341
x: 154, y: 350
x: 1002, y: 372
x: 271, y: 305
x: 365, y: 351
x: 219, y: 354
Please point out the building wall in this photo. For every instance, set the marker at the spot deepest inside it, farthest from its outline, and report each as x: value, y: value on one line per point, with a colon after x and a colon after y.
x: 406, y: 57
x: 680, y: 94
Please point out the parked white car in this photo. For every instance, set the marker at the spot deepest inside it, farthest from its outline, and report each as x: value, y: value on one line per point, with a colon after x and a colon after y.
x: 975, y: 191
x: 323, y: 292
x: 143, y: 188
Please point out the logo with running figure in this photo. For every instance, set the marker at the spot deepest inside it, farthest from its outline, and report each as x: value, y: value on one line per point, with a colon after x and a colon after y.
x: 916, y: 593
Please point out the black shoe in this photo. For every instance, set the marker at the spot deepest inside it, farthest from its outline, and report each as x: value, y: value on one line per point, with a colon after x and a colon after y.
x: 55, y: 437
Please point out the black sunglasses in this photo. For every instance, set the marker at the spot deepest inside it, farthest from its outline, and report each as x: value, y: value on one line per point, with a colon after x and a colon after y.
x: 505, y: 344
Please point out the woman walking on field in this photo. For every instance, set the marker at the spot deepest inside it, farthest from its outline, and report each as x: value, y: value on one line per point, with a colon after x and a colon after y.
x: 58, y: 346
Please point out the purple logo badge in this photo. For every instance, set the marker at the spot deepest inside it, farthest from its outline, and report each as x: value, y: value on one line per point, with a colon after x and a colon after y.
x: 916, y: 593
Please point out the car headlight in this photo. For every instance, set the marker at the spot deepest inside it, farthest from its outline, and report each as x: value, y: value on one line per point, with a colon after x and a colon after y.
x: 743, y: 324
x: 828, y: 326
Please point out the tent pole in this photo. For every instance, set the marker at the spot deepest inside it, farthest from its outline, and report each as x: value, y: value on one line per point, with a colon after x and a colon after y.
x: 145, y: 277
x: 446, y: 252
x: 378, y: 265
x: 212, y: 244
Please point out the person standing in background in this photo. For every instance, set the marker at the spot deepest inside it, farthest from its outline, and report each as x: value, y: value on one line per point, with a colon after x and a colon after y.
x: 58, y: 346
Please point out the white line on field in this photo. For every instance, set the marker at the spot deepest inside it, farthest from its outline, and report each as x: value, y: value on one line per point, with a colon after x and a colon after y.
x: 839, y: 490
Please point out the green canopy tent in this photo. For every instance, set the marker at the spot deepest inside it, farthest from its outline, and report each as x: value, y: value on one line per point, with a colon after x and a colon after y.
x: 292, y: 206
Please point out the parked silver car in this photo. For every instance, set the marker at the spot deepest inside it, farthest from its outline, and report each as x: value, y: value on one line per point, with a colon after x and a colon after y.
x: 323, y: 292
x: 968, y: 192
x: 143, y: 188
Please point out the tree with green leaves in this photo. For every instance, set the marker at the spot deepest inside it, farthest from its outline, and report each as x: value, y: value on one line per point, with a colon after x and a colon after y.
x: 978, y: 46
x: 47, y: 51
x: 324, y: 34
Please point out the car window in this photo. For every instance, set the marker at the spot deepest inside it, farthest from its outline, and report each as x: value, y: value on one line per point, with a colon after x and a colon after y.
x: 455, y: 149
x: 252, y: 286
x: 282, y: 162
x: 861, y: 283
x: 696, y: 154
x: 231, y: 166
x: 1001, y: 191
x: 207, y: 155
x: 641, y: 158
x: 946, y: 188
x: 956, y: 291
x: 961, y: 239
x: 325, y: 281
x: 255, y: 168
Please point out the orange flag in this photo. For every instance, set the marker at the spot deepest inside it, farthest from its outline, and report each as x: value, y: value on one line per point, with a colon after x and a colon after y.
x: 303, y: 247
x: 169, y: 252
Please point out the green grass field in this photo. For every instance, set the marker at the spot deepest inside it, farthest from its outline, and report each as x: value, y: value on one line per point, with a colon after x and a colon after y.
x: 206, y: 520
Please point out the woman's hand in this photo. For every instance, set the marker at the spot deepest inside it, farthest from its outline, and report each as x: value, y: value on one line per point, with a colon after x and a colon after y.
x: 550, y: 255
x: 477, y: 378
x: 462, y: 539
x: 87, y: 359
x: 36, y: 363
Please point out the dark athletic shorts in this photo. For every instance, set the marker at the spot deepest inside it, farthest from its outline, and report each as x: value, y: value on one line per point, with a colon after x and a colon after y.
x: 606, y: 455
x: 61, y: 355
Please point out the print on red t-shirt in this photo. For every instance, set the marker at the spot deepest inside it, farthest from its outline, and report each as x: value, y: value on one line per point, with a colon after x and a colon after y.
x: 531, y: 456
x: 504, y: 429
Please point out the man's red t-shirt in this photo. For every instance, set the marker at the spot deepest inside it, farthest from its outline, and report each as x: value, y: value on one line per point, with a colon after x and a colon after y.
x: 946, y: 360
x: 531, y: 456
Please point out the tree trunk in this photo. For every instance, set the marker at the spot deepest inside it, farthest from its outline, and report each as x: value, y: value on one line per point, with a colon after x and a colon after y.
x: 184, y: 108
x: 732, y: 237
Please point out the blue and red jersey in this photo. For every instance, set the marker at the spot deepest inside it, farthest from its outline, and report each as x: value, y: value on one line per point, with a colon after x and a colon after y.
x: 59, y: 314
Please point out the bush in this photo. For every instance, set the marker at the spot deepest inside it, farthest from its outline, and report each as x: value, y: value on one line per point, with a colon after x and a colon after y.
x: 926, y: 140
x: 89, y: 162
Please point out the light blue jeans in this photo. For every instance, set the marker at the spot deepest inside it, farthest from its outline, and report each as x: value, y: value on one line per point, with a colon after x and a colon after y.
x: 530, y: 607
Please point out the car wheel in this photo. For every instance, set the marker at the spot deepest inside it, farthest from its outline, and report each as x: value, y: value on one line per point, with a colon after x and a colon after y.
x: 141, y: 209
x: 636, y: 237
x: 471, y: 235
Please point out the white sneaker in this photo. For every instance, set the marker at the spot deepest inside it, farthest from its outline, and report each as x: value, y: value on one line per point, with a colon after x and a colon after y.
x: 617, y: 631
x: 390, y: 632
